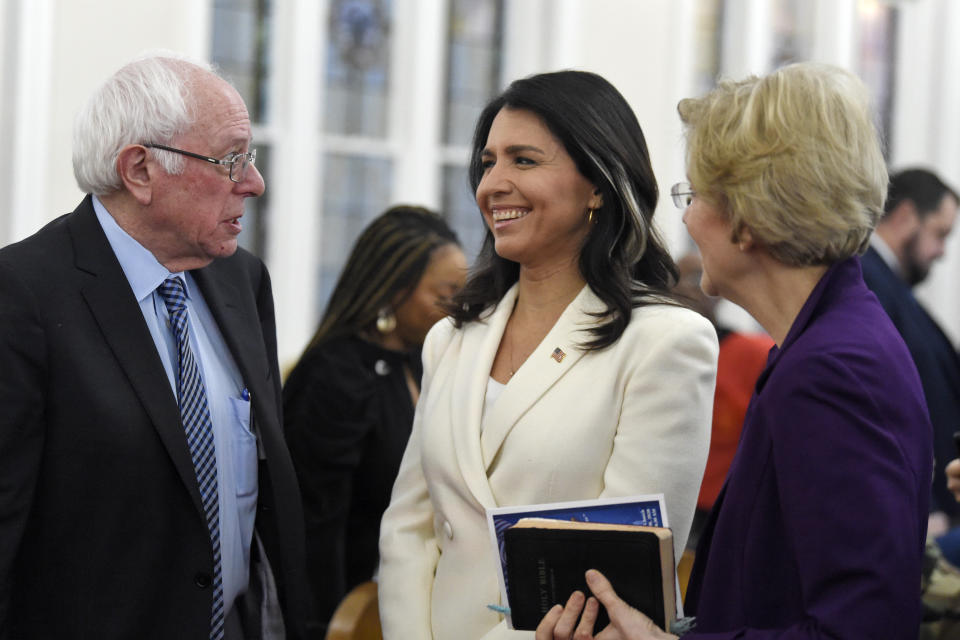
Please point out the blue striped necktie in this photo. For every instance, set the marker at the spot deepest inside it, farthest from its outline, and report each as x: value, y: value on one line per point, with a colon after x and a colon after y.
x: 195, y: 416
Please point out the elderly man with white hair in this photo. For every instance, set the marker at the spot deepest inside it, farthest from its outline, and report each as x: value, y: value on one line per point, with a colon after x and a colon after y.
x: 147, y: 491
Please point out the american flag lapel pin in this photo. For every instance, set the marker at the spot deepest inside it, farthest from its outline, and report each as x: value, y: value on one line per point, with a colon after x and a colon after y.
x: 558, y: 354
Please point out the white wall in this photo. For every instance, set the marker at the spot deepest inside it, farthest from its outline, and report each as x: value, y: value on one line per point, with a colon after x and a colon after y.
x: 63, y: 50
x: 8, y: 20
x: 27, y: 69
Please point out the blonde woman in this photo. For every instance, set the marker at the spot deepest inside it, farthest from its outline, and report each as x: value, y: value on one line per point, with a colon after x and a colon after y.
x: 819, y: 531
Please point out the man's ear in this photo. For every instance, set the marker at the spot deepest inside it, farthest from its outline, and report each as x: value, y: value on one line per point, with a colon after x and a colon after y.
x: 136, y: 171
x: 903, y: 221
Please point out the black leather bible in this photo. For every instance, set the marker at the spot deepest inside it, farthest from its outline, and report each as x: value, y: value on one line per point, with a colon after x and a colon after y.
x: 546, y: 561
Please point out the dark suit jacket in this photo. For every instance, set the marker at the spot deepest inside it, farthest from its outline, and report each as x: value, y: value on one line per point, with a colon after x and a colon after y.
x: 102, y: 533
x: 819, y: 529
x: 936, y: 361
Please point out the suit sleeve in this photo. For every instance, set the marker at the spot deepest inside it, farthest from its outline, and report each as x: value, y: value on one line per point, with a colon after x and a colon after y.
x: 408, y: 548
x: 849, y: 500
x: 22, y: 426
x: 664, y: 427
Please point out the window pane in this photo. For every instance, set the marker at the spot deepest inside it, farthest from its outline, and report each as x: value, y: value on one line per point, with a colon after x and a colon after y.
x: 357, y: 84
x: 355, y: 191
x: 709, y: 30
x: 241, y: 46
x: 792, y: 24
x: 875, y: 57
x: 256, y: 213
x: 460, y: 210
x: 473, y: 55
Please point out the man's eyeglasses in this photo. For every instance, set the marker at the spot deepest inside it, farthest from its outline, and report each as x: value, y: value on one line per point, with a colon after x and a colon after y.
x: 682, y: 194
x: 238, y: 162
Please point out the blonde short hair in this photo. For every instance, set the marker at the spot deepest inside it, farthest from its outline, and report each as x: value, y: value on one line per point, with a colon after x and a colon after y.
x: 794, y: 157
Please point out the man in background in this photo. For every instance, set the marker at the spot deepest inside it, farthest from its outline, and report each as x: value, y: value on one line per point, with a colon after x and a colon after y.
x: 918, y: 216
x: 146, y: 489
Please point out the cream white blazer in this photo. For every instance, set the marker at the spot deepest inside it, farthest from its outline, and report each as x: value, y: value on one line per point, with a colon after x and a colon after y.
x: 631, y: 418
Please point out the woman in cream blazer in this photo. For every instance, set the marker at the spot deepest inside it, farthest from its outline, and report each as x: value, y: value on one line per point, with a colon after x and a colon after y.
x: 549, y: 392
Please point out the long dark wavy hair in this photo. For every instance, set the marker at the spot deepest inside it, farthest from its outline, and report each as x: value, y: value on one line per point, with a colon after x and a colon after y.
x: 384, y: 267
x: 623, y: 259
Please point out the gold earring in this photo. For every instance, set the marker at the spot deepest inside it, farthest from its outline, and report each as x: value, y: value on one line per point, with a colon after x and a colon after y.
x: 590, y: 219
x: 386, y: 321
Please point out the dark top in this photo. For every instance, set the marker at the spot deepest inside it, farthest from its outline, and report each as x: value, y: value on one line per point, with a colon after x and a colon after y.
x: 937, y: 363
x: 819, y: 530
x: 347, y: 416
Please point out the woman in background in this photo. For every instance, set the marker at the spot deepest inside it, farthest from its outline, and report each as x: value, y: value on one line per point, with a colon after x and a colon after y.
x: 348, y: 404
x: 819, y: 531
x: 568, y: 372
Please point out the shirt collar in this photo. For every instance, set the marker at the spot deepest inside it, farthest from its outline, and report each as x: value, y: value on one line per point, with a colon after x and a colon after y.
x: 885, y: 252
x: 143, y: 271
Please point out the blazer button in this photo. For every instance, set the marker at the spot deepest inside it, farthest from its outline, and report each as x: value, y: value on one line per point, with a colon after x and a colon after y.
x: 448, y: 529
x: 202, y: 580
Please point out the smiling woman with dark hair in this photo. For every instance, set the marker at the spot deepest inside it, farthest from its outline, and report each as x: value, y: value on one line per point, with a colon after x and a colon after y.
x: 568, y: 371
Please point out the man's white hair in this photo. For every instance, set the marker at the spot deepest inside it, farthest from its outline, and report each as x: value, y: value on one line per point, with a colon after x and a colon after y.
x: 147, y: 101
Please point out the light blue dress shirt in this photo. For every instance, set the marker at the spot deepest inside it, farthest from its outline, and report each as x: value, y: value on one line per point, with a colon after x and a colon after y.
x: 235, y: 443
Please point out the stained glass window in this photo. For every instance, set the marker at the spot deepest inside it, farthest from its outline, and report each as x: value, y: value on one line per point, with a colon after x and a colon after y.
x: 357, y: 84
x: 240, y: 50
x: 792, y: 31
x: 875, y: 59
x: 461, y: 210
x: 709, y: 30
x: 473, y: 72
x: 356, y: 189
x: 473, y: 77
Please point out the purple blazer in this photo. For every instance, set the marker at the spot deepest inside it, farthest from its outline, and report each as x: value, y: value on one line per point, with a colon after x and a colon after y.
x: 819, y: 529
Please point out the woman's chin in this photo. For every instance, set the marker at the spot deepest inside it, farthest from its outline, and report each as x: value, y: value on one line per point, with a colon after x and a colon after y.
x: 506, y: 250
x: 708, y: 288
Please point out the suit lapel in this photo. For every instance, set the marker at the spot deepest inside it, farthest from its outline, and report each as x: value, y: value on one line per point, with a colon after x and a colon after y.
x: 480, y: 341
x: 939, y: 347
x: 234, y: 310
x: 115, y: 310
x: 553, y: 357
x: 229, y: 308
x: 928, y: 329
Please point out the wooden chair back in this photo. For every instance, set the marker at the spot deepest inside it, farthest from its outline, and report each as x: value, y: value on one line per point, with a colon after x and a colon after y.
x: 357, y: 617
